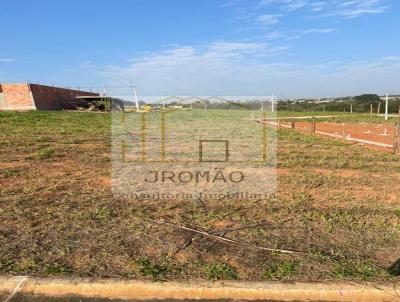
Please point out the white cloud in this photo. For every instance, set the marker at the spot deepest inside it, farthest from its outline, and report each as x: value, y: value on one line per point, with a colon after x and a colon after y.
x: 295, y: 5
x: 318, y: 6
x: 230, y: 3
x: 274, y: 35
x: 235, y: 47
x: 268, y: 19
x: 7, y: 60
x: 391, y: 58
x: 187, y: 70
x: 357, y: 8
x: 225, y: 68
x: 287, y: 5
x: 318, y: 31
x: 348, y: 3
x: 354, y: 13
x: 346, y: 9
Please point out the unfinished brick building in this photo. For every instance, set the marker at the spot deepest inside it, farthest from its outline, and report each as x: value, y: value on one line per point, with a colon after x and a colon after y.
x: 28, y: 96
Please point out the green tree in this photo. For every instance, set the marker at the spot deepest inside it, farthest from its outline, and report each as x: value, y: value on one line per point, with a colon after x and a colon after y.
x: 367, y: 98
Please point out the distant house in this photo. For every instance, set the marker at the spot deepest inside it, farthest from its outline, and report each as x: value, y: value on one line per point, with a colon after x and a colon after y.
x: 26, y: 96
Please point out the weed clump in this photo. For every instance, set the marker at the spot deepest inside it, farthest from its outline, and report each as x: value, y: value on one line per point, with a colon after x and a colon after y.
x: 220, y: 271
x: 282, y: 270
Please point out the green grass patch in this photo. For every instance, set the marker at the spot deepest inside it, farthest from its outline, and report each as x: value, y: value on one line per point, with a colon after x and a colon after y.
x: 157, y: 271
x: 281, y: 270
x: 220, y: 271
x: 10, y: 172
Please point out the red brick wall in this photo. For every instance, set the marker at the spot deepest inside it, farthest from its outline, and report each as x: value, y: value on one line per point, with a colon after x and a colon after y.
x: 40, y: 97
x: 17, y: 97
x: 53, y: 98
x: 2, y: 103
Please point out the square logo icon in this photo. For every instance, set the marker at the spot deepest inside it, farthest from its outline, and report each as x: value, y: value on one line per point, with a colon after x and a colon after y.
x: 214, y: 151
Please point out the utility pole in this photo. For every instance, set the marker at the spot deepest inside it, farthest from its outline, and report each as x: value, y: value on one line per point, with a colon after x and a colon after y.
x: 163, y: 101
x: 136, y: 99
x: 387, y: 107
x: 273, y: 103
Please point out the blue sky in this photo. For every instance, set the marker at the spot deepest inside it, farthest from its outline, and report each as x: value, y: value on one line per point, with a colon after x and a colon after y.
x: 292, y: 48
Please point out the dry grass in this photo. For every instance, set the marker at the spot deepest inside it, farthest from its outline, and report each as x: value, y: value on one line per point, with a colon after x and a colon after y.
x: 59, y: 217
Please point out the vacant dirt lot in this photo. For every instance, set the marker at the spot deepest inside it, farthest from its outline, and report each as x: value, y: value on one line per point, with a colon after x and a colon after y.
x: 379, y: 133
x: 337, y: 207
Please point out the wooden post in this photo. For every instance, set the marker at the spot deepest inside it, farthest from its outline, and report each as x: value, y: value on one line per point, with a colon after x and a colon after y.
x: 292, y: 124
x: 396, y: 144
x: 313, y: 125
x: 387, y: 107
x: 379, y: 108
x: 264, y: 148
x: 143, y: 137
x: 123, y: 150
x: 162, y: 151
